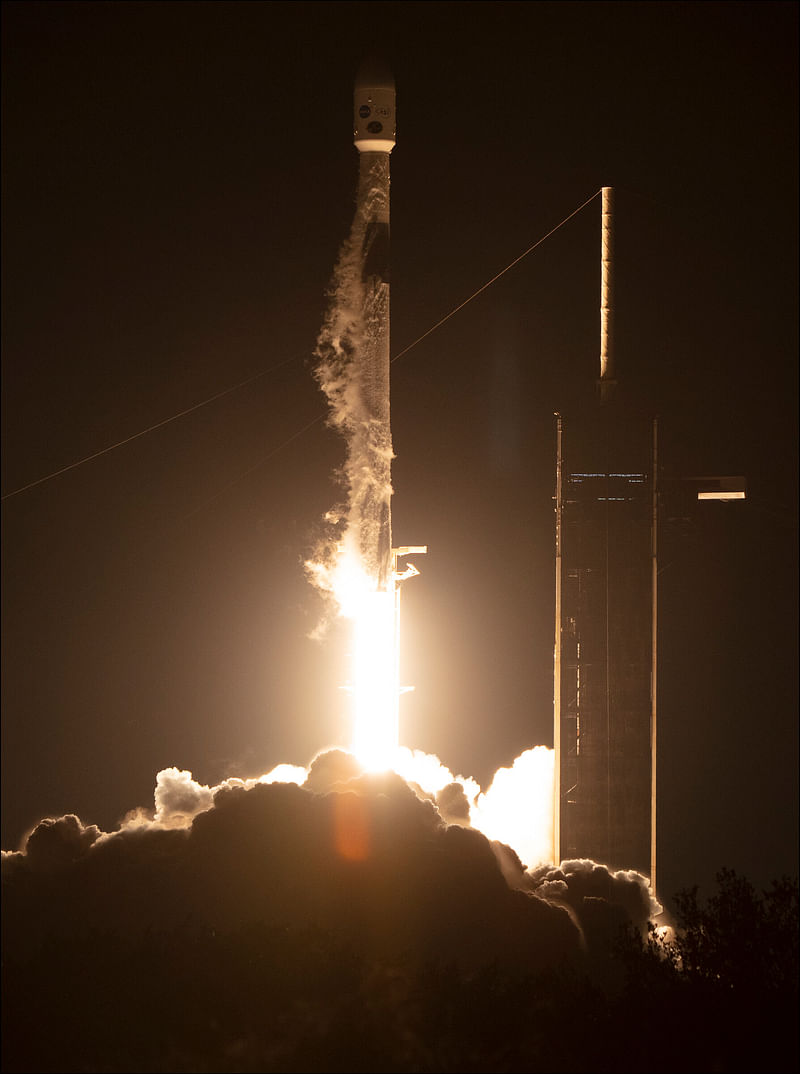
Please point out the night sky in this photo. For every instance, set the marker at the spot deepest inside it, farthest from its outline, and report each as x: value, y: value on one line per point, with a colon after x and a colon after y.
x: 177, y: 180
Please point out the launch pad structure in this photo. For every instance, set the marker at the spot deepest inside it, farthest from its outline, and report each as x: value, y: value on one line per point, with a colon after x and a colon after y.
x: 606, y: 638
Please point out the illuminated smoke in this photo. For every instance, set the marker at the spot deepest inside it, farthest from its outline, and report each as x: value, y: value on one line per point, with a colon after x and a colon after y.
x: 352, y: 371
x: 354, y: 565
x: 513, y: 811
x: 517, y: 809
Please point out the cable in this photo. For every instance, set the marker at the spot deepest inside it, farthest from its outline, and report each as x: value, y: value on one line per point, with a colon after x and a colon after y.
x: 150, y: 428
x: 264, y: 372
x: 255, y: 466
x: 516, y: 261
x: 438, y: 324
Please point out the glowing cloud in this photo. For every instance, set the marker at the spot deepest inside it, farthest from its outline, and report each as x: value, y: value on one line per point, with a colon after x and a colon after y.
x: 517, y: 808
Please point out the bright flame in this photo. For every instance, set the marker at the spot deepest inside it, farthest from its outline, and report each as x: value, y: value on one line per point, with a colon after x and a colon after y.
x: 375, y: 686
x: 374, y: 683
x: 517, y: 809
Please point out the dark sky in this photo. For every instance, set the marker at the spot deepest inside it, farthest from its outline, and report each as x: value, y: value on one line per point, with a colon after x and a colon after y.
x: 177, y: 180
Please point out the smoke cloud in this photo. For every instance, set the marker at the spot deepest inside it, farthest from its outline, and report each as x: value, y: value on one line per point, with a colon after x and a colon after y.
x: 382, y: 860
x: 304, y: 920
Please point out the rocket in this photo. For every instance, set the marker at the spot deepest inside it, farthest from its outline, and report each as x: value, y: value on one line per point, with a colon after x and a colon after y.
x: 374, y: 138
x: 376, y: 642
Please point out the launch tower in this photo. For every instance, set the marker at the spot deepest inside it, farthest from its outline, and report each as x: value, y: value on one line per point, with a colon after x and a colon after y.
x: 605, y: 630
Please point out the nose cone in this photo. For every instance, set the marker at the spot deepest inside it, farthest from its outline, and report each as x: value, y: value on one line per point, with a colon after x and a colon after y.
x: 373, y: 108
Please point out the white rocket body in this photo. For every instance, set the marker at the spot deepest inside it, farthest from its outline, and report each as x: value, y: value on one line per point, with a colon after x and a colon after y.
x: 374, y: 138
